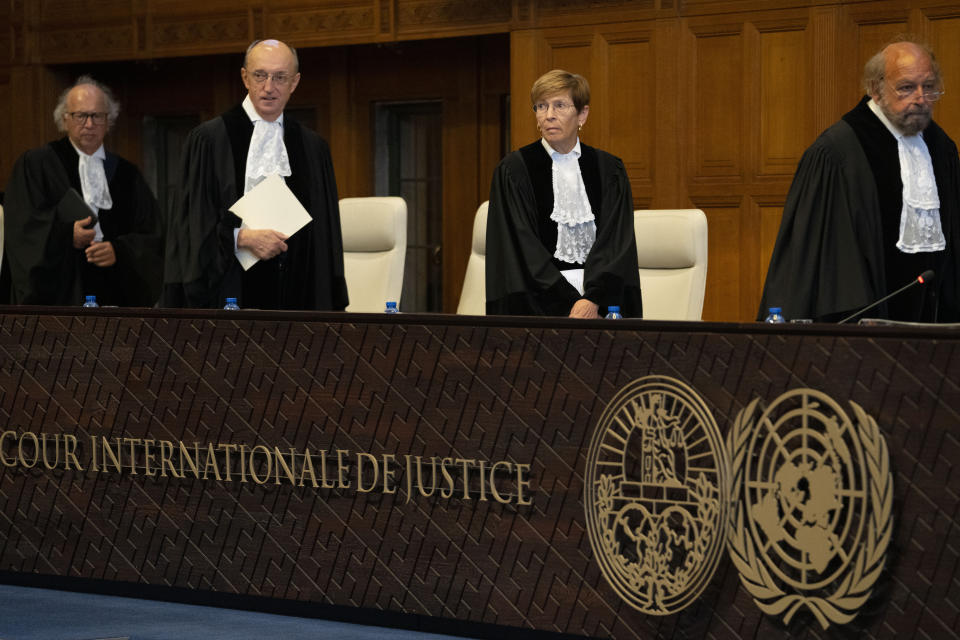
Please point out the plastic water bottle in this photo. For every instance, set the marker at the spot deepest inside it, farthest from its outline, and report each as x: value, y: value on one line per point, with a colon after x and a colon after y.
x: 613, y: 313
x: 391, y: 307
x: 774, y: 316
x: 91, y: 302
x: 231, y: 305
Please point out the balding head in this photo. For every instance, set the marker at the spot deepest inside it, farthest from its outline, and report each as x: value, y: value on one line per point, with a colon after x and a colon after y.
x: 271, y: 74
x: 903, y: 79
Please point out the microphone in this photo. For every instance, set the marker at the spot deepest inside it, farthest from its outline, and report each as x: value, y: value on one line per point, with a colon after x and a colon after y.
x: 923, y: 278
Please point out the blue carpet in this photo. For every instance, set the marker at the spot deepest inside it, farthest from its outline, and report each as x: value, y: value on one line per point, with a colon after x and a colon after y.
x: 28, y: 613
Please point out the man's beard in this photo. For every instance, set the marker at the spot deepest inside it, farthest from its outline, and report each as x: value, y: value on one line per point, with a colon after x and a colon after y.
x: 910, y: 121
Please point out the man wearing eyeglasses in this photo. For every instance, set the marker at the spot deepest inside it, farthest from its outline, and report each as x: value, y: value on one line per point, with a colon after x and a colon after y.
x: 225, y: 158
x: 874, y: 203
x: 80, y: 220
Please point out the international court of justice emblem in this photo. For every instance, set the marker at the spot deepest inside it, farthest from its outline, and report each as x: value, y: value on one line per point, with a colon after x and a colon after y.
x: 813, y: 496
x: 657, y: 494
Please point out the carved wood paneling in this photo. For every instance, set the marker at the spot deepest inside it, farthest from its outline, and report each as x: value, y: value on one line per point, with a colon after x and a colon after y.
x: 629, y: 102
x: 943, y: 33
x: 89, y: 43
x: 424, y: 15
x: 210, y: 33
x: 716, y: 133
x: 723, y: 295
x: 344, y: 21
x: 769, y: 226
x: 785, y: 110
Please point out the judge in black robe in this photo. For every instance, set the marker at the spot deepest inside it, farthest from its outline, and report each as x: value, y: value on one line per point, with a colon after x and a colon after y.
x: 39, y: 216
x: 836, y: 249
x: 201, y: 264
x: 522, y: 275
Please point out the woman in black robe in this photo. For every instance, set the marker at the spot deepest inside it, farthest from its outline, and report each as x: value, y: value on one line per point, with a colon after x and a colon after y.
x: 560, y: 237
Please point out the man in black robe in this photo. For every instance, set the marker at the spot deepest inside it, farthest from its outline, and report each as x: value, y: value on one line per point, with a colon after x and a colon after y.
x: 841, y: 244
x: 303, y: 271
x: 79, y: 220
x: 524, y: 266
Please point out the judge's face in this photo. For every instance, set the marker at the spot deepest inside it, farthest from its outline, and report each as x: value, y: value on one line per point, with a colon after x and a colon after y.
x: 85, y: 119
x: 908, y: 75
x: 270, y: 77
x: 559, y: 121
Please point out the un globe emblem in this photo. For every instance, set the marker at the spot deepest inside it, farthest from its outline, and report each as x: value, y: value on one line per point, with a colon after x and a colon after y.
x: 814, y: 496
x: 656, y: 494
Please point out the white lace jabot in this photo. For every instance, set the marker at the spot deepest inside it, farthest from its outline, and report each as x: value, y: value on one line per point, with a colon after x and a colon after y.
x: 576, y: 227
x: 93, y: 184
x: 267, y: 154
x: 920, y: 228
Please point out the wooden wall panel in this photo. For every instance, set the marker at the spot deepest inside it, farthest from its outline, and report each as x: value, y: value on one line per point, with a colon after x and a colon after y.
x: 943, y: 33
x: 724, y: 250
x: 630, y: 102
x: 716, y: 132
x: 785, y: 106
x: 769, y: 225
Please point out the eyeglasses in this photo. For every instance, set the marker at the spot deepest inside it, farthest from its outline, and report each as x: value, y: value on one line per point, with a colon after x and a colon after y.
x: 280, y: 78
x: 905, y: 90
x: 81, y: 117
x: 559, y: 106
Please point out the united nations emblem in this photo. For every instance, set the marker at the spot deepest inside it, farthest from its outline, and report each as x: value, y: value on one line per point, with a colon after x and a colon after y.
x: 814, y: 493
x: 657, y: 494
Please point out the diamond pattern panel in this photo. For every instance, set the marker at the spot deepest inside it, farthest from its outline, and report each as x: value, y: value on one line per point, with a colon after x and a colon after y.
x: 414, y: 386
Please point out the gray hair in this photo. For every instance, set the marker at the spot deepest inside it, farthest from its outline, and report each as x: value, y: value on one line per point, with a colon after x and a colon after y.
x: 113, y: 107
x: 874, y: 71
x: 271, y: 41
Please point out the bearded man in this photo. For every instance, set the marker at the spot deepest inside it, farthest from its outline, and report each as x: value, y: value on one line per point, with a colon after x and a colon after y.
x: 874, y: 203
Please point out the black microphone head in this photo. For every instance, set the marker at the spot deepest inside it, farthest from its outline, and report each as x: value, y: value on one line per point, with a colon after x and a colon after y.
x: 925, y: 277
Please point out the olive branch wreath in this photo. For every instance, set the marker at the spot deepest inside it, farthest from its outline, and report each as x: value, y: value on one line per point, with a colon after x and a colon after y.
x: 841, y: 606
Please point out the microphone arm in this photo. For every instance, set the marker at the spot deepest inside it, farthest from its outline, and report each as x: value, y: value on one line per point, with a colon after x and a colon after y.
x: 923, y: 278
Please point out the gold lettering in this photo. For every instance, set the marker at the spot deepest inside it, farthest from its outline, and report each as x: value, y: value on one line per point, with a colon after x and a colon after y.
x: 110, y: 453
x: 36, y: 450
x: 409, y: 478
x: 93, y: 454
x: 433, y: 481
x: 307, y: 469
x: 376, y: 472
x: 324, y: 483
x: 287, y: 470
x: 43, y: 447
x: 7, y: 462
x: 253, y: 470
x: 212, y: 462
x: 466, y: 471
x: 133, y: 454
x: 521, y: 483
x: 483, y: 481
x: 148, y: 456
x: 342, y: 469
x: 166, y: 460
x: 70, y: 452
x: 389, y: 481
x: 243, y: 463
x: 448, y: 490
x: 227, y: 449
x: 493, y: 483
x: 191, y: 462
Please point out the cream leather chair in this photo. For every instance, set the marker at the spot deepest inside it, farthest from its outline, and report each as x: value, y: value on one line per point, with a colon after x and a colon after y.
x: 672, y: 256
x: 374, y: 249
x: 473, y: 296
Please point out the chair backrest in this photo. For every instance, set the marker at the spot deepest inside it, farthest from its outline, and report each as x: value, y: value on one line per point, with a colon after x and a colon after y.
x: 672, y: 256
x: 374, y: 249
x: 473, y: 296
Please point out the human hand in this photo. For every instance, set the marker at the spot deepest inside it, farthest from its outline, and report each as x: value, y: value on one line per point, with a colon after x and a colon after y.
x: 101, y: 254
x: 263, y: 243
x: 82, y: 237
x: 583, y: 308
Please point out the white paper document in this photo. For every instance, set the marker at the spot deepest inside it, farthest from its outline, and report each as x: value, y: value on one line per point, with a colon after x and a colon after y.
x: 269, y: 205
x: 574, y: 277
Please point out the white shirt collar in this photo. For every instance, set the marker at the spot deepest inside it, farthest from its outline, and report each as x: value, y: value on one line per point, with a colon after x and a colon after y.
x: 252, y: 113
x: 552, y: 152
x: 99, y: 153
x: 877, y: 111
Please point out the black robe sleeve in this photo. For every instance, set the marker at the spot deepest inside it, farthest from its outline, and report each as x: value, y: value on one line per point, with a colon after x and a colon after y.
x: 827, y: 258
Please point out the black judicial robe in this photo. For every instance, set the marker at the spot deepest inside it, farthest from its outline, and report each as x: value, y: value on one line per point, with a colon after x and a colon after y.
x: 38, y: 235
x: 202, y: 268
x: 522, y: 276
x: 836, y: 248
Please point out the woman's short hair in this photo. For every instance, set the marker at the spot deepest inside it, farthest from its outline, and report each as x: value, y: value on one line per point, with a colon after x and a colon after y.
x: 113, y: 107
x: 557, y: 81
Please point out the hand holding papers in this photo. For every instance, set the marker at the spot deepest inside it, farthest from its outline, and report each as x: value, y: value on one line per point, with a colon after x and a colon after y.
x: 269, y: 205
